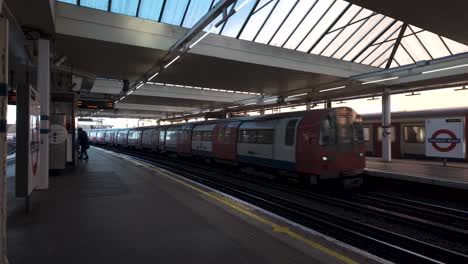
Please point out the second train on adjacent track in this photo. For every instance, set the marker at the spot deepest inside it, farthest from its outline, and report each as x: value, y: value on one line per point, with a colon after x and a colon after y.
x: 312, y: 146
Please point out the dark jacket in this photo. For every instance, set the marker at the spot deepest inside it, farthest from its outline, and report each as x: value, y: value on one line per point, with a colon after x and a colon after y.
x: 83, y: 139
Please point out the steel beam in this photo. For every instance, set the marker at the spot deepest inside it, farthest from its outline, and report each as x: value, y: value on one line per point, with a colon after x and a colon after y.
x: 211, y: 15
x: 396, y: 45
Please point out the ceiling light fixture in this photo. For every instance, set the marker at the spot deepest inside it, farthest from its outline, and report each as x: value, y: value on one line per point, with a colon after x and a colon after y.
x: 445, y: 69
x: 382, y: 80
x: 271, y: 100
x: 234, y: 106
x: 250, y: 103
x: 152, y: 77
x: 172, y: 61
x: 202, y: 37
x: 297, y: 95
x: 331, y: 89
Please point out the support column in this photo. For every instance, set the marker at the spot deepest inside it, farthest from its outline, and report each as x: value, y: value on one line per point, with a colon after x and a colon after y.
x: 386, y: 126
x: 328, y: 104
x: 308, y: 105
x: 3, y: 131
x: 43, y: 87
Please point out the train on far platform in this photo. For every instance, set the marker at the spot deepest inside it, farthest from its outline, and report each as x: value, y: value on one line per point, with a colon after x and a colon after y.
x: 311, y: 146
x: 408, y: 132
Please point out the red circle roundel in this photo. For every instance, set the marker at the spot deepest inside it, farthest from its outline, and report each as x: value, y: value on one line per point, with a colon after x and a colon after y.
x: 450, y: 134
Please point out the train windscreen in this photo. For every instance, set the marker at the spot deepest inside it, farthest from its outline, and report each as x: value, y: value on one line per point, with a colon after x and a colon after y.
x: 342, y: 127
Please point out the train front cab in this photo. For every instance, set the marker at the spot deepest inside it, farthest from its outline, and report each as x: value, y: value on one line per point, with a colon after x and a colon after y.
x: 330, y: 146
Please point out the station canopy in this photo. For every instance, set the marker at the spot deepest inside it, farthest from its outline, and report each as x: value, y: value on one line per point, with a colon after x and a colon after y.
x: 331, y: 28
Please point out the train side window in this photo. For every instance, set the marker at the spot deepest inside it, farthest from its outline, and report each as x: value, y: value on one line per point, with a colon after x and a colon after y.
x: 290, y: 133
x: 196, y: 136
x: 414, y: 134
x: 227, y: 135
x: 221, y: 135
x: 379, y: 133
x: 248, y: 136
x: 207, y: 136
x: 264, y: 136
x: 366, y: 133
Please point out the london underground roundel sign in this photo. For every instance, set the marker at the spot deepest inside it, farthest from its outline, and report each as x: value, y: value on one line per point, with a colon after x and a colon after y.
x: 445, y: 137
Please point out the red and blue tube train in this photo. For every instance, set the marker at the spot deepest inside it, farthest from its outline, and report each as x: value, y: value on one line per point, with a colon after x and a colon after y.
x: 312, y: 145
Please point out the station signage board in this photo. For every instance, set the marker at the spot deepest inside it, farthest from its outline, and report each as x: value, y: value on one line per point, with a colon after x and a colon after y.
x: 28, y: 141
x: 98, y: 105
x: 445, y: 137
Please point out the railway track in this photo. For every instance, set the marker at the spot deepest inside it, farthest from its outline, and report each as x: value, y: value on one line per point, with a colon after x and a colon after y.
x: 385, y: 243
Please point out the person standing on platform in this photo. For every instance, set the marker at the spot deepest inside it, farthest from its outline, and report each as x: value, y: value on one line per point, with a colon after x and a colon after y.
x: 83, y: 141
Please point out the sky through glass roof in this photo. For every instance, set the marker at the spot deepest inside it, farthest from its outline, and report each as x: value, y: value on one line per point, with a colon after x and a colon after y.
x: 331, y: 28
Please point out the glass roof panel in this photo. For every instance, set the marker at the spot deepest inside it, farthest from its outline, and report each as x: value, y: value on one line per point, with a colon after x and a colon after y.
x: 454, y: 46
x: 325, y: 42
x: 234, y: 24
x: 391, y: 31
x: 414, y: 47
x: 299, y: 12
x: 174, y: 12
x: 97, y: 4
x: 344, y: 37
x: 69, y: 1
x: 434, y: 44
x: 365, y: 13
x: 394, y: 64
x: 361, y: 38
x: 333, y: 28
x: 402, y: 57
x: 323, y: 25
x: 352, y: 12
x: 274, y: 20
x: 125, y: 7
x: 257, y: 19
x: 381, y: 61
x: 196, y: 11
x: 376, y: 54
x: 308, y: 24
x: 150, y: 9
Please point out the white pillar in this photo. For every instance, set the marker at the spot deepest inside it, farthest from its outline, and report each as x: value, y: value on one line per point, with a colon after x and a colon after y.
x: 43, y: 87
x: 386, y: 126
x: 3, y: 132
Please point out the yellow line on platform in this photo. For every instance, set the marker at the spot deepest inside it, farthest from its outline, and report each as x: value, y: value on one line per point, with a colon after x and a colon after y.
x: 276, y: 227
x: 224, y: 200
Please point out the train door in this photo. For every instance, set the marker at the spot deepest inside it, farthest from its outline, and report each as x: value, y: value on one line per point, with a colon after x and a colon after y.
x: 368, y: 142
x: 285, y: 141
x: 162, y: 139
x: 413, y: 139
x: 395, y: 133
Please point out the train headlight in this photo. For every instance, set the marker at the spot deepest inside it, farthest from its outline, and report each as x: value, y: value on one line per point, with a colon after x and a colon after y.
x: 324, y: 158
x: 361, y: 154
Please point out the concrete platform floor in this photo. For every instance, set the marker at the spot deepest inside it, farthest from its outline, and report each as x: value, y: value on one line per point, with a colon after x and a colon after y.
x: 455, y: 175
x: 111, y: 209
